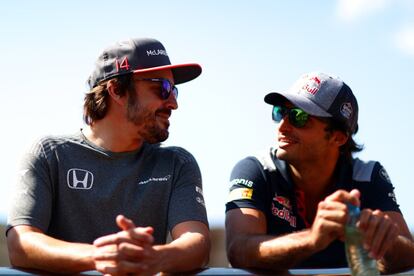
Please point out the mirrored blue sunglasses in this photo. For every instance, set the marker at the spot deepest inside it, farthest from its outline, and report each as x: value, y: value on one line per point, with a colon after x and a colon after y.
x: 166, y: 87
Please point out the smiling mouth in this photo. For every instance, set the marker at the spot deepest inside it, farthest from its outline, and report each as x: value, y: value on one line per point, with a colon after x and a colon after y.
x: 286, y: 141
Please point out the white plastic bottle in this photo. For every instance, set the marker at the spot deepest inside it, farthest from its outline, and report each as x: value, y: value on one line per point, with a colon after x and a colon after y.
x: 358, y: 259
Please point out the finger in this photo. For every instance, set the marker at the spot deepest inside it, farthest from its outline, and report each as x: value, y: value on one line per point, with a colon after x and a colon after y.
x: 139, y: 236
x: 108, y: 253
x: 124, y: 223
x: 345, y: 197
x: 134, y: 252
x: 368, y: 224
x: 385, y: 235
x: 125, y: 267
x: 332, y: 210
x: 356, y: 195
x: 390, y: 238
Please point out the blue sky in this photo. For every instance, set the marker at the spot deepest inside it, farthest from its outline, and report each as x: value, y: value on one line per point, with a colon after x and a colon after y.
x: 246, y: 49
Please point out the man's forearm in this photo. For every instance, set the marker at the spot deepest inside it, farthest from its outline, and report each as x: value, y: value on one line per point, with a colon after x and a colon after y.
x: 190, y: 251
x: 271, y: 252
x: 38, y: 251
x: 400, y: 257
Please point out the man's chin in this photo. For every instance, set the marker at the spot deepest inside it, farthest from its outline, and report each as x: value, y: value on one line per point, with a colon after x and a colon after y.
x: 158, y: 137
x: 282, y: 154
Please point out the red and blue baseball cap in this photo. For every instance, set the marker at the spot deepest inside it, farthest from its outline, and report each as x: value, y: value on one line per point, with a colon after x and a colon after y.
x: 321, y: 95
x: 139, y: 55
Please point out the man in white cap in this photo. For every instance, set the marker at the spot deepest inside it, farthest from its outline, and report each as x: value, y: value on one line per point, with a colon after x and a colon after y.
x: 287, y: 208
x: 106, y: 197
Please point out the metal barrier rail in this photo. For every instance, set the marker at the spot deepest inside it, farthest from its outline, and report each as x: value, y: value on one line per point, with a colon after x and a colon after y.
x: 213, y: 271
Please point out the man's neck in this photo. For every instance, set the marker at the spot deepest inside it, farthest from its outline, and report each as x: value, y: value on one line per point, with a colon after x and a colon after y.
x: 315, y: 179
x: 112, y: 137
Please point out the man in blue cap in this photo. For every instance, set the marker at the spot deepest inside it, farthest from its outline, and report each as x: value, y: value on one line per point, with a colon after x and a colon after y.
x: 287, y: 208
x: 106, y: 197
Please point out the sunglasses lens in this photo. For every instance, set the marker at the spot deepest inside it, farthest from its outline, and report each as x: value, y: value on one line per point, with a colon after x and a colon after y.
x: 277, y: 113
x: 167, y: 88
x: 298, y: 117
x: 175, y: 92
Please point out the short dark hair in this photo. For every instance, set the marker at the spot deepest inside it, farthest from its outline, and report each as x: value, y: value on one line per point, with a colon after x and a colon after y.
x: 96, y: 101
x: 350, y: 146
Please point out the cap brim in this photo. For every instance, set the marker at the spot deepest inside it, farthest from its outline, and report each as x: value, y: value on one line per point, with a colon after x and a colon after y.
x: 302, y: 102
x: 181, y: 72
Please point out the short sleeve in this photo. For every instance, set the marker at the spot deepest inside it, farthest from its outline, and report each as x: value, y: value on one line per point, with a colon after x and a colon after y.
x: 187, y: 200
x: 380, y: 194
x: 247, y: 185
x: 32, y: 198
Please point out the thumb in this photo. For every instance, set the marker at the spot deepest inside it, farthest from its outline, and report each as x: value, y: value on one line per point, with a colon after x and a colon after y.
x: 355, y: 195
x: 124, y: 223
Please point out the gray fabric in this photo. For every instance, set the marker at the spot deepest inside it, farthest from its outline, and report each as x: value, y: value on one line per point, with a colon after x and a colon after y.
x: 363, y: 170
x: 73, y: 190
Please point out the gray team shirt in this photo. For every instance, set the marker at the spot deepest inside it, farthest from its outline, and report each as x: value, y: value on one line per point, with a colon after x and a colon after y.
x: 73, y: 190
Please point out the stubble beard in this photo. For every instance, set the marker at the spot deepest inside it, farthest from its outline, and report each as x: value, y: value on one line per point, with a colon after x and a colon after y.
x: 146, y: 120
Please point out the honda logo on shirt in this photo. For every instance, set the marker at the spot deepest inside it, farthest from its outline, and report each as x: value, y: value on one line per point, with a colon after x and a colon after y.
x: 80, y: 179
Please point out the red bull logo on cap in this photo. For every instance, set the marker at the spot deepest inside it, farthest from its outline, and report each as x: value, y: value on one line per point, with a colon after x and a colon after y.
x: 311, y: 85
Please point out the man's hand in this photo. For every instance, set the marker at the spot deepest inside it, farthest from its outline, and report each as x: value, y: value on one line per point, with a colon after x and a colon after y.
x: 331, y: 217
x: 379, y: 232
x: 129, y: 251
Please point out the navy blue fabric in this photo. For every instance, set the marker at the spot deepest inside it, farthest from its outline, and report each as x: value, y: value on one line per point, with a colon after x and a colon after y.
x: 273, y: 194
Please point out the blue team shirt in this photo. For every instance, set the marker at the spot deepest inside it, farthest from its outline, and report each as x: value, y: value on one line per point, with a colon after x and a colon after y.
x: 263, y: 182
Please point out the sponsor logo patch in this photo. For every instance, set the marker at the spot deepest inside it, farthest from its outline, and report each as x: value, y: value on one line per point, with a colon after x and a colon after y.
x: 240, y: 193
x: 392, y: 196
x: 284, y: 214
x: 241, y: 181
x: 157, y: 52
x: 154, y: 179
x: 311, y: 85
x: 346, y: 110
x: 384, y: 175
x: 79, y: 179
x: 282, y: 201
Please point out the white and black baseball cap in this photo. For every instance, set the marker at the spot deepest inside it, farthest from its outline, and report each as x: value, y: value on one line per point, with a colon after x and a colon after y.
x: 321, y: 95
x: 139, y: 55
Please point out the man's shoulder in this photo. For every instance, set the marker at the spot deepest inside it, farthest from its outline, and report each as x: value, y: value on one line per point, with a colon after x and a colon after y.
x: 51, y: 142
x: 174, y: 152
x: 264, y: 159
x: 363, y: 170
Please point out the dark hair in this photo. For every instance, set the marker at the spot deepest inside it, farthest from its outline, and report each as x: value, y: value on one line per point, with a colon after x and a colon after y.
x: 96, y: 102
x: 350, y: 146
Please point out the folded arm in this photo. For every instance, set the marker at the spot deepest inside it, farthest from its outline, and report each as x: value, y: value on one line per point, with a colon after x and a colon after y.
x: 248, y: 245
x: 189, y: 250
x: 29, y: 247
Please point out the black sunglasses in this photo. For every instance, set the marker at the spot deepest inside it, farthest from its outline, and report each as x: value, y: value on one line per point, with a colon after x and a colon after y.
x: 166, y: 88
x: 297, y: 117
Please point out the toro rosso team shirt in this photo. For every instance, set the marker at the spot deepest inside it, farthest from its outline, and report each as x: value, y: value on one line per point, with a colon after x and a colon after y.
x: 263, y: 182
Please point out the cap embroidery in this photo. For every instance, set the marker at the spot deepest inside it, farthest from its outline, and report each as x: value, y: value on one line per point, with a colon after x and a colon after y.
x: 346, y: 110
x: 157, y: 52
x: 312, y: 86
x: 124, y: 65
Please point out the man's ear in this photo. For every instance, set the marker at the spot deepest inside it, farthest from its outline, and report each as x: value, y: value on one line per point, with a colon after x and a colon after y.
x: 340, y: 138
x: 113, y: 90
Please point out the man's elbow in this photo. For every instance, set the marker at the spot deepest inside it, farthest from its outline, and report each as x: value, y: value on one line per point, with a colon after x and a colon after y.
x: 236, y: 255
x: 16, y: 252
x: 205, y: 251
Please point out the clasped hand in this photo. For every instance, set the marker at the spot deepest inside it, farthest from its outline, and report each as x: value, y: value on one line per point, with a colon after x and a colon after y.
x: 379, y: 231
x: 128, y: 252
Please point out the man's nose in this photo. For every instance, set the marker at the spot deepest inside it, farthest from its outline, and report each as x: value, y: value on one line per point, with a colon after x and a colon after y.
x: 284, y: 123
x: 172, y: 101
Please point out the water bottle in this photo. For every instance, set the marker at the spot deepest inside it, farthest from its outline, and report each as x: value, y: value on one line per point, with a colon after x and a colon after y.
x: 358, y: 260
